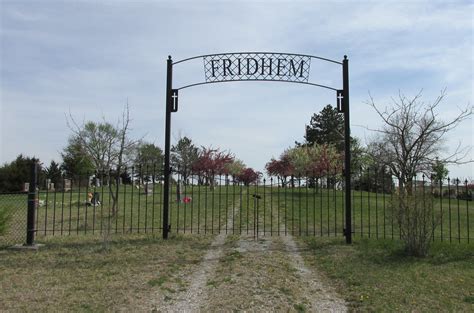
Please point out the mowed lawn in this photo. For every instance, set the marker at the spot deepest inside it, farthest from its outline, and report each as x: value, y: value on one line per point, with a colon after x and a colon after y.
x: 83, y: 270
x: 272, y: 210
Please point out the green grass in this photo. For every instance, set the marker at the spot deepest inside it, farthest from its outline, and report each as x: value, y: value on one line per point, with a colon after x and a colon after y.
x: 299, y: 211
x: 377, y: 276
x: 13, y: 209
x: 5, y: 216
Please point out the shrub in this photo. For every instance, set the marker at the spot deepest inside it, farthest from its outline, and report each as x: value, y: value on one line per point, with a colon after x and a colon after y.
x: 414, y: 214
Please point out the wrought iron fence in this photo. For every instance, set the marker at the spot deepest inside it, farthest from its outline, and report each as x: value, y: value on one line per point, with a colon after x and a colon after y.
x: 130, y: 201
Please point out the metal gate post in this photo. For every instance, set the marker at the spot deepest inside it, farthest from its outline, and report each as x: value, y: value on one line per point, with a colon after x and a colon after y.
x: 167, y: 168
x: 32, y: 203
x: 347, y: 149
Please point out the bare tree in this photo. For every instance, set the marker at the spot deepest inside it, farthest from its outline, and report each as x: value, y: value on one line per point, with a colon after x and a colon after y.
x: 413, y: 135
x: 411, y: 141
x: 107, y: 146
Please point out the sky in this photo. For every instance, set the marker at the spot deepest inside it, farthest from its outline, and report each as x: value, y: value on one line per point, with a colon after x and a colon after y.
x: 88, y: 58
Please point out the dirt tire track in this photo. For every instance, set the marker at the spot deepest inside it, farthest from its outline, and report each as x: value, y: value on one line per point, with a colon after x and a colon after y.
x: 254, y: 275
x: 191, y: 300
x: 323, y: 298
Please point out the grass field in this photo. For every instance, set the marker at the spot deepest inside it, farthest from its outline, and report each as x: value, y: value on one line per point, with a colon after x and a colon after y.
x: 80, y: 274
x: 376, y: 276
x: 87, y: 271
x: 299, y: 211
x: 83, y: 274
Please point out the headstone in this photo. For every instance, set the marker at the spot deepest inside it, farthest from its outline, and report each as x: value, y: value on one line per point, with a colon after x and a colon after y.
x: 67, y: 185
x: 49, y: 185
x: 26, y: 187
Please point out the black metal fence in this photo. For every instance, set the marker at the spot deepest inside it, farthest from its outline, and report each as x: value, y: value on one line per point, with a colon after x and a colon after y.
x: 130, y: 201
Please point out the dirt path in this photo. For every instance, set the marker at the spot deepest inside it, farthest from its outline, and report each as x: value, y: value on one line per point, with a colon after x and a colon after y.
x: 321, y: 296
x: 244, y: 274
x: 192, y: 299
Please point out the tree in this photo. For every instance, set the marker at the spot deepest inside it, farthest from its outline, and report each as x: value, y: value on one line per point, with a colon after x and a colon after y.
x: 99, y: 141
x: 281, y: 168
x: 235, y: 168
x: 14, y: 174
x: 316, y: 160
x: 412, y: 137
x: 408, y: 143
x: 150, y: 158
x: 438, y: 170
x: 183, y: 156
x: 326, y: 127
x: 106, y: 146
x: 373, y: 178
x: 75, y: 161
x: 249, y: 176
x: 148, y: 153
x: 53, y: 172
x: 212, y: 162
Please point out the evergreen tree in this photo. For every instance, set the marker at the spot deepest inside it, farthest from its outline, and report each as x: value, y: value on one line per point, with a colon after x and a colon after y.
x: 13, y: 175
x: 326, y: 127
x: 183, y: 156
x: 53, y: 172
x: 438, y: 170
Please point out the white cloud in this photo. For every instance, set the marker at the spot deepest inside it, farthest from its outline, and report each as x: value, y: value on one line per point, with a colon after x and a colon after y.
x: 88, y: 57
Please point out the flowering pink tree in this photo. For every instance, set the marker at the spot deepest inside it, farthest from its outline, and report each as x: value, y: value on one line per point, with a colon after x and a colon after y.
x: 281, y: 168
x: 212, y: 162
x: 324, y: 160
x: 249, y: 176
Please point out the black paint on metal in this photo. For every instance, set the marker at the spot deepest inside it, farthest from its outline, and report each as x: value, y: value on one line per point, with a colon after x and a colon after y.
x: 347, y: 149
x: 257, y: 80
x: 167, y: 169
x: 342, y: 105
x: 259, y: 52
x: 32, y: 204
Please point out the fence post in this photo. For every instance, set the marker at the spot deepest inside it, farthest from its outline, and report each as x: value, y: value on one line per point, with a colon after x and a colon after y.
x: 32, y: 203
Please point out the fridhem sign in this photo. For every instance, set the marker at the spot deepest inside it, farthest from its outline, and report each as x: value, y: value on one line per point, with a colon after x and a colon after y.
x: 261, y: 66
x: 258, y: 66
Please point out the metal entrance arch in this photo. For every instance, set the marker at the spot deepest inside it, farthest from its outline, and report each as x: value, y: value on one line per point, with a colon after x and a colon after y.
x: 258, y: 66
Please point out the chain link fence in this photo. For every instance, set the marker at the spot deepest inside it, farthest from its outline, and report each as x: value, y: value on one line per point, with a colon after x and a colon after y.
x: 13, y: 217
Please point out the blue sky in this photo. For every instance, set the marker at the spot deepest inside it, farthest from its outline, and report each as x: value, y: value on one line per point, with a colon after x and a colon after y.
x: 88, y: 57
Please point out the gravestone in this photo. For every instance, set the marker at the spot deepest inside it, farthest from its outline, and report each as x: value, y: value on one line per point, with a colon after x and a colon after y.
x: 67, y: 185
x: 26, y: 187
x: 49, y: 185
